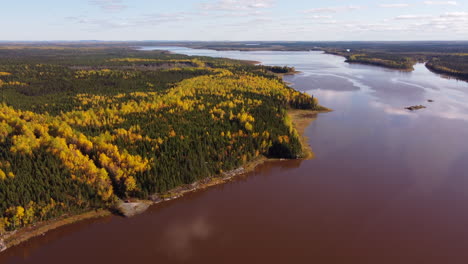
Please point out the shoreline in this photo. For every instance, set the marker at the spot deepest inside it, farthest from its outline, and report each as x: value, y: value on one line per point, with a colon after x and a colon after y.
x: 382, y: 66
x: 249, y: 62
x: 432, y: 69
x: 301, y: 120
x: 19, y: 236
x: 302, y: 50
x: 299, y: 50
x: 444, y: 74
x: 368, y: 63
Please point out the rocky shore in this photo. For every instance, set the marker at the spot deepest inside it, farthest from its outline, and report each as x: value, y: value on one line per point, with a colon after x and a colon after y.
x: 2, y: 245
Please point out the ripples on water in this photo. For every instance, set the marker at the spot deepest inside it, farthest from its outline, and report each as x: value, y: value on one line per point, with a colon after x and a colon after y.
x: 387, y: 185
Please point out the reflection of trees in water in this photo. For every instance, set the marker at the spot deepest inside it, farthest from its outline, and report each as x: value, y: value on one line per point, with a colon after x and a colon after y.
x: 279, y: 164
x: 266, y: 169
x: 27, y: 249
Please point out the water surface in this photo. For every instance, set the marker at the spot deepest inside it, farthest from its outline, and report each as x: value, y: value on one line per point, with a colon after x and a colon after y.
x: 387, y: 185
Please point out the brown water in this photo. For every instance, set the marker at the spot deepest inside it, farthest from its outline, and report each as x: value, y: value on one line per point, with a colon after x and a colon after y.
x: 386, y: 186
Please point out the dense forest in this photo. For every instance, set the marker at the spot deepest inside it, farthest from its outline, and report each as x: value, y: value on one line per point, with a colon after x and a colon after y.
x: 82, y: 128
x: 383, y: 59
x: 447, y: 57
x: 454, y: 65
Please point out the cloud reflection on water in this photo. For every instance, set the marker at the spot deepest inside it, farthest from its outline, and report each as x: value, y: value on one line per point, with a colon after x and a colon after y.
x: 179, y: 239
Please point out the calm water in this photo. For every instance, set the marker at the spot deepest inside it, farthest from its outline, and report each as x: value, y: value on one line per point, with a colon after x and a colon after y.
x: 387, y: 185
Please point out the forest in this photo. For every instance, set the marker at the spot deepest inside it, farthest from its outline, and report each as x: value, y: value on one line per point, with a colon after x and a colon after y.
x: 382, y: 59
x: 82, y: 128
x: 453, y: 65
x: 445, y: 57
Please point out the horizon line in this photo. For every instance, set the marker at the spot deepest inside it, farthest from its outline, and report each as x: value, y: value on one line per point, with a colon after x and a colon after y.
x: 287, y: 41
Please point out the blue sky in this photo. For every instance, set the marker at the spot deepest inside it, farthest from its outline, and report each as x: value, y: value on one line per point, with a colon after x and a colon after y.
x: 233, y: 20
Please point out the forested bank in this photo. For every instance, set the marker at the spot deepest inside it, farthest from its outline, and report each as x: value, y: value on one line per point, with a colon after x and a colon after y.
x: 447, y: 57
x: 82, y: 128
x: 452, y: 65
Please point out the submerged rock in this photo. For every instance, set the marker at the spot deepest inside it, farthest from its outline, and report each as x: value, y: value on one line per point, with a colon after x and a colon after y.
x: 155, y: 198
x: 132, y: 208
x: 415, y: 107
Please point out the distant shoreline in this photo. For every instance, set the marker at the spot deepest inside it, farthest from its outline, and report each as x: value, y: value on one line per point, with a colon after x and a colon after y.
x: 326, y: 51
x: 433, y: 69
x: 251, y: 62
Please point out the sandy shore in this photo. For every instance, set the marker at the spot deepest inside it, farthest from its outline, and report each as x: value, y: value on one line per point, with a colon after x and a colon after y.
x: 301, y: 120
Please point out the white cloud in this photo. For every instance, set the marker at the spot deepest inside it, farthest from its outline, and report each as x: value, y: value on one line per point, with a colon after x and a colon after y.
x: 334, y: 9
x: 99, y: 24
x: 375, y: 27
x: 418, y: 24
x: 413, y: 17
x: 110, y: 23
x: 455, y: 14
x: 394, y: 5
x: 391, y: 109
x: 450, y: 3
x: 237, y: 5
x: 157, y: 19
x: 250, y: 23
x: 258, y: 20
x: 109, y: 5
x: 328, y: 22
x: 321, y: 17
x: 456, y: 22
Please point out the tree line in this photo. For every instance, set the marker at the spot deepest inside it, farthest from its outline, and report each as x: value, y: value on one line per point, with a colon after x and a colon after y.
x: 85, y: 128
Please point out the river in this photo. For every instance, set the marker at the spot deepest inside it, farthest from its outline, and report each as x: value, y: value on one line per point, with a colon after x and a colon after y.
x: 387, y: 185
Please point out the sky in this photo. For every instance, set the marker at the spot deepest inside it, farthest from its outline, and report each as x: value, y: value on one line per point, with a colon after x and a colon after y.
x: 234, y: 20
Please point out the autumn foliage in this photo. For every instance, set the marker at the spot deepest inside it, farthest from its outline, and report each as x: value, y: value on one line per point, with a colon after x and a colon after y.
x: 122, y: 127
